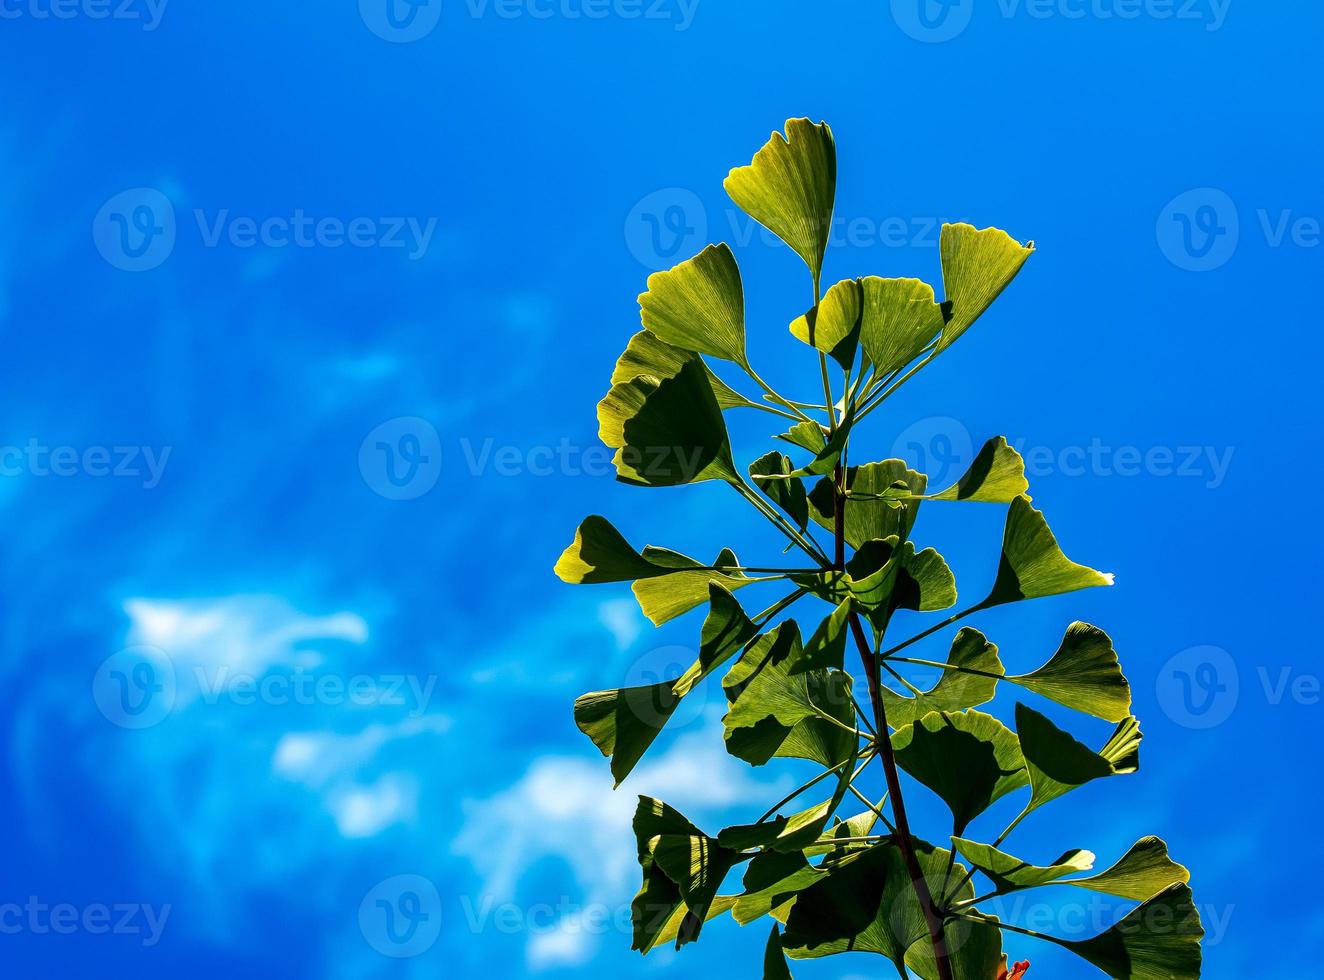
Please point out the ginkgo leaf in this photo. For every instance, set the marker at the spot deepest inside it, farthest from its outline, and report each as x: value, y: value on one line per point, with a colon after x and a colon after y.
x: 900, y: 319
x: 774, y: 878
x: 790, y: 188
x: 868, y: 516
x: 1009, y: 874
x: 977, y: 265
x: 974, y: 951
x: 647, y: 355
x: 867, y: 903
x: 775, y: 712
x: 667, y: 431
x: 827, y: 647
x: 1159, y: 940
x: 1032, y: 565
x: 1058, y: 764
x: 786, y: 491
x: 827, y: 448
x: 906, y: 579
x: 726, y: 629
x: 699, y: 305
x: 973, y: 684
x: 834, y: 325
x: 968, y: 758
x: 806, y: 435
x: 774, y: 960
x: 624, y: 723
x: 685, y: 586
x: 1083, y: 674
x: 1143, y: 872
x: 682, y: 867
x: 997, y: 476
x: 601, y: 554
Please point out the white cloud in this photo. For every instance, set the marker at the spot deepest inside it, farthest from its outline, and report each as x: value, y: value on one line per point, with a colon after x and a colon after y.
x: 564, y: 808
x: 217, y: 642
x: 622, y: 619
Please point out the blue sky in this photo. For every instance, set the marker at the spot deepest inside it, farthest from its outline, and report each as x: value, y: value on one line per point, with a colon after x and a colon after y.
x: 243, y: 245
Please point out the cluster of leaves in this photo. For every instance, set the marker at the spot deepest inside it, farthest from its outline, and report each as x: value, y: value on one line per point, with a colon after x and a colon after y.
x: 838, y: 883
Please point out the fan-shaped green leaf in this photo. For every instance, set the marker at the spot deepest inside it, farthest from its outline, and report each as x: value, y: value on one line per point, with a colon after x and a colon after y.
x: 685, y: 586
x: 977, y: 265
x: 806, y: 435
x: 624, y: 723
x: 827, y: 646
x: 699, y: 305
x: 775, y: 712
x: 1160, y: 940
x: 834, y: 325
x: 997, y: 476
x: 869, y: 516
x: 1057, y: 763
x: 1083, y: 674
x: 968, y: 758
x: 973, y: 684
x: 1033, y: 566
x: 600, y: 554
x: 906, y: 580
x: 1143, y: 872
x: 1009, y: 873
x: 647, y: 355
x: 790, y: 188
x: 974, y: 951
x: 867, y: 903
x: 786, y: 491
x: 683, y: 868
x: 667, y: 431
x: 900, y: 319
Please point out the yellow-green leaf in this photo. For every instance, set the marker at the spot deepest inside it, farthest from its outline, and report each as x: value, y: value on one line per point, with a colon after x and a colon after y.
x: 833, y: 326
x: 1033, y: 566
x: 1009, y: 873
x: 977, y: 265
x: 1160, y: 940
x: 900, y: 318
x: 972, y: 683
x: 647, y: 355
x: 667, y: 431
x: 1083, y: 674
x: 790, y: 188
x: 997, y: 476
x: 1058, y: 764
x: 968, y: 758
x: 699, y: 305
